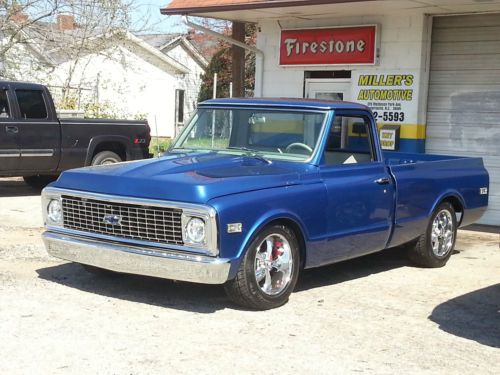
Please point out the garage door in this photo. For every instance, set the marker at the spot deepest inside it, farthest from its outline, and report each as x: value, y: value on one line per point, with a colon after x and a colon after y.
x: 463, y: 116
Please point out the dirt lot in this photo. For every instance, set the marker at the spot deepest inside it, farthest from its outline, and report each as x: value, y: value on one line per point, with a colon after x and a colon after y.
x: 377, y: 314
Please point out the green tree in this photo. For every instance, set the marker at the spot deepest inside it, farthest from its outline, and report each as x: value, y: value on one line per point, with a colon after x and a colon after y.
x: 221, y: 63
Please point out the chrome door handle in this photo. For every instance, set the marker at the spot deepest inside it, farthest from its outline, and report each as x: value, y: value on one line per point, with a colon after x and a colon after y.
x: 12, y: 129
x: 383, y: 181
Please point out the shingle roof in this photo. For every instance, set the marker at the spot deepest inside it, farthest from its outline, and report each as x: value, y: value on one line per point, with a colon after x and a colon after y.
x: 159, y: 40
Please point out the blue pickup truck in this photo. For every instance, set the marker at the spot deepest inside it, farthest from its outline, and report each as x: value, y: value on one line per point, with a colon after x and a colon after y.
x: 255, y: 190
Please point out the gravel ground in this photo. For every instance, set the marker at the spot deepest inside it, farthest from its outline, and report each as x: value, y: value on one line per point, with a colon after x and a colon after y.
x: 376, y: 314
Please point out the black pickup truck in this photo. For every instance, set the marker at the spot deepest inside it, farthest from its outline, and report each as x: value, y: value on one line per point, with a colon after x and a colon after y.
x: 37, y: 145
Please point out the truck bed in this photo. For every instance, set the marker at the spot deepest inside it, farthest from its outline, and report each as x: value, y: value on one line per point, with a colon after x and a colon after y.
x: 423, y: 180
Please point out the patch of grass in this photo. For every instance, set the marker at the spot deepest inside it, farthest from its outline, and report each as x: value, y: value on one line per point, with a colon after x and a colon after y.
x: 159, y: 145
x: 218, y: 143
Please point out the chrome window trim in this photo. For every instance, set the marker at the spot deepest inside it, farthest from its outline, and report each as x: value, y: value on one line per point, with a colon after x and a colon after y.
x: 203, y: 211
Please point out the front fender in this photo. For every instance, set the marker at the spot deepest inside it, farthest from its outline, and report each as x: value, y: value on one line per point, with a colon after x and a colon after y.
x: 305, y: 205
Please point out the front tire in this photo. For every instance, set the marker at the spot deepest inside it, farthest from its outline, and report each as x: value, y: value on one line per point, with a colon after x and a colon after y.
x: 106, y: 157
x: 434, y: 248
x: 269, y: 271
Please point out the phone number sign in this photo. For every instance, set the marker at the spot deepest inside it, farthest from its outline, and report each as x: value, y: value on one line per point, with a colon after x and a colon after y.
x: 392, y: 96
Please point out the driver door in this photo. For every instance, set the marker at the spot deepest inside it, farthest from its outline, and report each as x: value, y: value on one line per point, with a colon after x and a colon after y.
x: 9, y: 134
x: 360, y: 190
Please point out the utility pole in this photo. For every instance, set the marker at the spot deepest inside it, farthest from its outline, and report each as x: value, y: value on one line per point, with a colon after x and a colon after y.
x: 238, y: 61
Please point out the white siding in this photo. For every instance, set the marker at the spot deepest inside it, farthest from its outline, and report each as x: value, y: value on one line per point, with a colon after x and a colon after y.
x: 132, y: 85
x: 192, y: 82
x: 463, y: 115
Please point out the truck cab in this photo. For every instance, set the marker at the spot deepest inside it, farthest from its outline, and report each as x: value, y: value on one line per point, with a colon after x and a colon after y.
x: 36, y: 144
x: 29, y: 128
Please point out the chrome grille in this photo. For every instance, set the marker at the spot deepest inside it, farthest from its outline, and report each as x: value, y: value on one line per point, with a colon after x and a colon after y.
x: 144, y: 223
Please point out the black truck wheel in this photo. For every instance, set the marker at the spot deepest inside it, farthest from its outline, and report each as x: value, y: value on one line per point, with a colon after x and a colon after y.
x: 268, y: 272
x: 39, y: 181
x: 434, y: 247
x: 106, y: 157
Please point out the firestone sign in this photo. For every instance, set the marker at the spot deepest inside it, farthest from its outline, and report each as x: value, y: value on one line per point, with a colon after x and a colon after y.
x: 331, y: 46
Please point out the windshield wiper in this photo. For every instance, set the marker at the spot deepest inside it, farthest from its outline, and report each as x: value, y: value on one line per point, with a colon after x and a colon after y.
x: 249, y: 152
x: 241, y: 149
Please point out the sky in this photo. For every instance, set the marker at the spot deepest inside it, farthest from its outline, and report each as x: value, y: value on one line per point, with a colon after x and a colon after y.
x: 147, y: 18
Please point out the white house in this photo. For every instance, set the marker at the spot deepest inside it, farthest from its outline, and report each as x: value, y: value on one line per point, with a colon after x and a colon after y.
x: 123, y: 76
x: 182, y: 50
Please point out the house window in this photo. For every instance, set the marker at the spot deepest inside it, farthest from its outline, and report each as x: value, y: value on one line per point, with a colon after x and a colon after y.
x: 179, y: 96
x: 31, y: 104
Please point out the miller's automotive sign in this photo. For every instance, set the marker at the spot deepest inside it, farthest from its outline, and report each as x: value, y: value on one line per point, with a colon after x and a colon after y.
x: 329, y: 46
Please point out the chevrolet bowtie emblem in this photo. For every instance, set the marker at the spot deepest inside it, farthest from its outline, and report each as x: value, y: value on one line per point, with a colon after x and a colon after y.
x: 112, y: 219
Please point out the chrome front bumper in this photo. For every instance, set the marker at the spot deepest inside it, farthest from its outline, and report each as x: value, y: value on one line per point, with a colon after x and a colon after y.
x: 137, y: 260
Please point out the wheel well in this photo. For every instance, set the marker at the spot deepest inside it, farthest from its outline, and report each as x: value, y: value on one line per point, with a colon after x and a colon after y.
x: 298, y: 233
x: 116, y: 147
x: 457, y: 206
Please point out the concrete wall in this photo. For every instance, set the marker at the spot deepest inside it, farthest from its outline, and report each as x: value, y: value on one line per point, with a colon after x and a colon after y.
x: 403, y: 46
x: 403, y: 43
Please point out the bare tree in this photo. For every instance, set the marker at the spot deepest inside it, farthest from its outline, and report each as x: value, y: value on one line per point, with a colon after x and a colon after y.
x: 61, y: 31
x: 18, y: 16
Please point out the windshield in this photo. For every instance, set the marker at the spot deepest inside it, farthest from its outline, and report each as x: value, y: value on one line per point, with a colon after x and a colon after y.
x: 273, y: 134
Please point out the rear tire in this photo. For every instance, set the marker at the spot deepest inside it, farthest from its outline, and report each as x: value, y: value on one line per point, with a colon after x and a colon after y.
x: 106, y: 157
x: 39, y: 181
x: 433, y: 249
x: 268, y: 272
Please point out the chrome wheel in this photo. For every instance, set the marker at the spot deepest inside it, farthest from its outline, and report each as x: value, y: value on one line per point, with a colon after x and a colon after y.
x: 442, y: 235
x: 273, y: 264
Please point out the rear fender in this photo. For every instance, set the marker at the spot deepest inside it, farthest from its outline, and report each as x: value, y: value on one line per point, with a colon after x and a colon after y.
x: 96, y: 141
x: 446, y: 195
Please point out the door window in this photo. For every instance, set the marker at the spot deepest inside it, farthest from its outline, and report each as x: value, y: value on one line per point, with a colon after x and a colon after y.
x: 4, y: 105
x: 31, y: 104
x: 349, y: 141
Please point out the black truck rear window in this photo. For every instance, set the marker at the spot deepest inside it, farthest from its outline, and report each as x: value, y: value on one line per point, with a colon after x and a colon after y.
x: 31, y: 104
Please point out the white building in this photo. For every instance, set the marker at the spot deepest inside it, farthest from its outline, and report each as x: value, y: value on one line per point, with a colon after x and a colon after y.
x: 125, y: 77
x: 434, y: 69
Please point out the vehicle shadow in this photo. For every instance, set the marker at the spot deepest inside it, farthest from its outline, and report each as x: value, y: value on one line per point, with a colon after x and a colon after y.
x: 16, y: 187
x: 198, y: 298
x: 202, y: 298
x: 353, y: 269
x: 474, y: 316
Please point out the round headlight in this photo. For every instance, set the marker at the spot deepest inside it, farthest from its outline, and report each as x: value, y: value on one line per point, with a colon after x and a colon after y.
x: 195, y: 230
x: 54, y: 211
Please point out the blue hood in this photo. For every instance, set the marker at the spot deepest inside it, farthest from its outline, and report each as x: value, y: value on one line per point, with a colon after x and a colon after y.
x: 194, y: 178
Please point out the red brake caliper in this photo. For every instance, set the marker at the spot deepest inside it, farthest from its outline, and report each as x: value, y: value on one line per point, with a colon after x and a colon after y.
x: 277, y: 249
